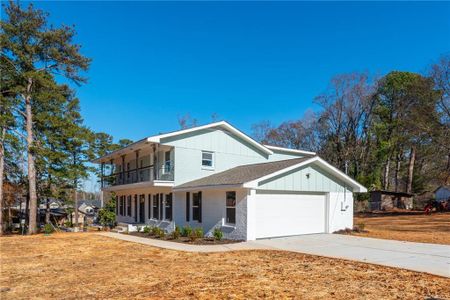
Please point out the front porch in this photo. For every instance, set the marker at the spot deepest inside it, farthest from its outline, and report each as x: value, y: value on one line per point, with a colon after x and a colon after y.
x: 151, y: 206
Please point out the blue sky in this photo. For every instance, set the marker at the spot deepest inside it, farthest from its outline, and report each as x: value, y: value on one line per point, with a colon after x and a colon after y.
x: 244, y: 61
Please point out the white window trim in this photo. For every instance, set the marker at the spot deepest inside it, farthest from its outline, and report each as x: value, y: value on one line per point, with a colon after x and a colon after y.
x: 212, y: 160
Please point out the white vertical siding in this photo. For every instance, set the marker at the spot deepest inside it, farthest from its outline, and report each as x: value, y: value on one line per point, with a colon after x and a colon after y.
x: 297, y: 180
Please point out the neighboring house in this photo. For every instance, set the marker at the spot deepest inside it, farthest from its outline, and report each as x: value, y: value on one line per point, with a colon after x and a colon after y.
x: 386, y: 200
x: 87, y: 211
x: 442, y: 193
x: 216, y: 176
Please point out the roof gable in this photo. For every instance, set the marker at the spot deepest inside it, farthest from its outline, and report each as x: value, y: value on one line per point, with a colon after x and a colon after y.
x: 219, y: 125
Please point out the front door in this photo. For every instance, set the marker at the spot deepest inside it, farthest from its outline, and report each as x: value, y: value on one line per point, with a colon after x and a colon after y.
x: 142, y: 209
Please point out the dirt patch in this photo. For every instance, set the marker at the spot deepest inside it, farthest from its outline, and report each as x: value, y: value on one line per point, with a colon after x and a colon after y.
x: 185, y: 240
x: 406, y: 226
x: 86, y: 266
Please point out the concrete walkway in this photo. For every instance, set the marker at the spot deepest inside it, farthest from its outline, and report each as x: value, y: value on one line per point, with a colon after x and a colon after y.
x: 185, y: 247
x: 429, y: 258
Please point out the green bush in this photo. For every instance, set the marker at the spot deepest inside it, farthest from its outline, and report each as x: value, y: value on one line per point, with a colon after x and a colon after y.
x: 68, y: 224
x: 197, y: 233
x: 176, y: 233
x: 218, y: 234
x: 48, y: 228
x: 154, y: 230
x: 161, y: 233
x: 186, y: 231
x: 146, y: 230
x: 107, y: 215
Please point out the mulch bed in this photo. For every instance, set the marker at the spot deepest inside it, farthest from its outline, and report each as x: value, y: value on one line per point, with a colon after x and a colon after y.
x: 185, y: 240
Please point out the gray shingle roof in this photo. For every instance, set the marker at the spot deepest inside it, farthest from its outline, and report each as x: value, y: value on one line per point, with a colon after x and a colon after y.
x: 242, y: 174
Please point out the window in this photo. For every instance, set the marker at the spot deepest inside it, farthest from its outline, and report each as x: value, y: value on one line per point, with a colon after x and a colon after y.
x: 155, y: 214
x: 122, y: 205
x: 197, y: 206
x: 207, y: 159
x: 168, y: 207
x: 188, y: 206
x: 167, y: 165
x: 129, y: 206
x: 231, y: 208
x: 161, y: 206
x: 149, y: 206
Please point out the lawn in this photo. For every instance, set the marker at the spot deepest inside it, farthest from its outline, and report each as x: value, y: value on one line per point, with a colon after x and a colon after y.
x: 85, y: 265
x: 407, y: 226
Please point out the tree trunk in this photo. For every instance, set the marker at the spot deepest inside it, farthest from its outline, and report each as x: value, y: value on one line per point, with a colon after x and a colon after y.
x: 75, y: 208
x: 2, y: 167
x: 32, y: 226
x: 386, y: 174
x: 412, y: 160
x: 47, y: 211
x: 397, y: 171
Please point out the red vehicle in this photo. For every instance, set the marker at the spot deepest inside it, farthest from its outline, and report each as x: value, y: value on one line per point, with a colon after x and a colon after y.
x: 434, y: 205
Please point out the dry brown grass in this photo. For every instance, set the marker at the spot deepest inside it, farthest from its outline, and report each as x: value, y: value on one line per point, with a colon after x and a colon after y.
x: 413, y: 227
x: 85, y: 265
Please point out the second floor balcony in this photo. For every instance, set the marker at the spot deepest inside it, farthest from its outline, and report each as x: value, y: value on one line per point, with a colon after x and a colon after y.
x: 142, y: 174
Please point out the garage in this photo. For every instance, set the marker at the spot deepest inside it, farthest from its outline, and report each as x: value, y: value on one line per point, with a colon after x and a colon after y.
x: 284, y: 214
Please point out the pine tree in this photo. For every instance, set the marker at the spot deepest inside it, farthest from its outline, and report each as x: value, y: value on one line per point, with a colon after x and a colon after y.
x: 36, y: 51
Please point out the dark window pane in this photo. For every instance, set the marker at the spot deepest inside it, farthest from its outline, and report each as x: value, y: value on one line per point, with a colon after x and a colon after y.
x: 188, y: 206
x: 155, y: 206
x: 195, y: 213
x: 231, y: 215
x: 168, y: 206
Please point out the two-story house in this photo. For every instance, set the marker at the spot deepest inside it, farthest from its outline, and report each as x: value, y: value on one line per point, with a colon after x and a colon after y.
x: 216, y: 176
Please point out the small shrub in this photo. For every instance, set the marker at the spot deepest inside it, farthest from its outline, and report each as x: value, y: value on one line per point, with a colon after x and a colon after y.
x: 195, y: 234
x: 218, y: 234
x: 186, y: 231
x: 68, y: 224
x: 161, y: 233
x: 146, y: 230
x: 48, y: 228
x: 154, y: 230
x: 138, y: 228
x: 176, y: 233
x: 361, y: 226
x: 199, y: 232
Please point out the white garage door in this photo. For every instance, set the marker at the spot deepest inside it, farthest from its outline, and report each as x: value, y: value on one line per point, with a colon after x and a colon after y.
x: 289, y: 214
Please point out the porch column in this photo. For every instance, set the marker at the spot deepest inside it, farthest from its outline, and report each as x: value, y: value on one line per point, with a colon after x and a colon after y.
x: 155, y: 163
x: 137, y: 166
x: 111, y: 172
x: 123, y: 169
x: 102, y: 173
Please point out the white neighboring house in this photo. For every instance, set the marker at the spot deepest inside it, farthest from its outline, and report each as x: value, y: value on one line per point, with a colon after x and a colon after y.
x: 216, y: 176
x: 442, y: 193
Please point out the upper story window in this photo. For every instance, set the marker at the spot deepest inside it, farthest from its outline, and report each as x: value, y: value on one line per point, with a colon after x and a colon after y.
x: 167, y: 162
x: 207, y: 159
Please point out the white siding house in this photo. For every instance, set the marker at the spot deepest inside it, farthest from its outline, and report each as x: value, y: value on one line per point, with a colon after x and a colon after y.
x: 214, y: 176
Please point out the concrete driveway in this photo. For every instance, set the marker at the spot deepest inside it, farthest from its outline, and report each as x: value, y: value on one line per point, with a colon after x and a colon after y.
x: 429, y: 258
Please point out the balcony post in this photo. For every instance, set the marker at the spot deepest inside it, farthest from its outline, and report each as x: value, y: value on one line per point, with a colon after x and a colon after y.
x: 137, y: 165
x: 123, y: 169
x: 102, y: 174
x: 112, y: 170
x: 155, y: 163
